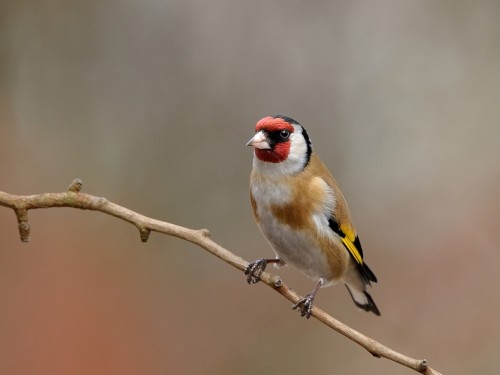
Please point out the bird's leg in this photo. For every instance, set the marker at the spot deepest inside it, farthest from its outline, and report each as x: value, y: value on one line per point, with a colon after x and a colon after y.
x: 255, y: 269
x: 306, y: 302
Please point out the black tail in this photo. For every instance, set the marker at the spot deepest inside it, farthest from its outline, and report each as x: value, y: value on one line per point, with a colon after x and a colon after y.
x: 363, y: 300
x: 366, y: 273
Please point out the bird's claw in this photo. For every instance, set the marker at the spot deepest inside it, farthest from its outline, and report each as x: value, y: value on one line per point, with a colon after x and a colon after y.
x: 305, y: 304
x: 254, y: 270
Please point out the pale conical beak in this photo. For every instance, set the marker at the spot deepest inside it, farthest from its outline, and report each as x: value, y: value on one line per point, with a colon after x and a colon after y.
x: 259, y: 140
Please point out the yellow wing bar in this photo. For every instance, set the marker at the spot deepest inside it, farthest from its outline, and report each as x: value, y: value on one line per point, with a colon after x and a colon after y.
x: 348, y: 239
x: 352, y: 249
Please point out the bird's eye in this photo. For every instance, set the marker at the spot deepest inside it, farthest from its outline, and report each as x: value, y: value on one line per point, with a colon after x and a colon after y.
x: 284, y: 134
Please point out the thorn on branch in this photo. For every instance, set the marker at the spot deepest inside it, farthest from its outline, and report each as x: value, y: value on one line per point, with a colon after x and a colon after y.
x: 277, y: 282
x: 205, y: 232
x: 75, y: 186
x: 422, y: 366
x: 24, y: 225
x: 144, y: 233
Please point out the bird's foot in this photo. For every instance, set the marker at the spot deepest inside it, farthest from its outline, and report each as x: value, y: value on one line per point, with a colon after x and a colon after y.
x: 305, y: 305
x: 255, y: 269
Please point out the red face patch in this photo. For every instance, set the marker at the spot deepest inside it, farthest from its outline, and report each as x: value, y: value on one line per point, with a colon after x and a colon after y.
x: 278, y: 154
x: 271, y: 124
x: 280, y: 150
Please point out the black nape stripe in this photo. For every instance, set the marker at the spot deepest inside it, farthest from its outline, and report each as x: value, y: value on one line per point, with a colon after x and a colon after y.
x: 309, y: 146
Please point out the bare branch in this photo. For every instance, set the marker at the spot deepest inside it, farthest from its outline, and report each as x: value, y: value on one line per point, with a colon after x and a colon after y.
x: 201, y: 237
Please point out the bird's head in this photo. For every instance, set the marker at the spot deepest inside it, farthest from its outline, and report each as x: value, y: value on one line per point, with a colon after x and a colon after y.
x: 282, y: 141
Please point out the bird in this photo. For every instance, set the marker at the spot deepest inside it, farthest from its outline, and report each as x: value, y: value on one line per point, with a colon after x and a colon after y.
x: 304, y: 216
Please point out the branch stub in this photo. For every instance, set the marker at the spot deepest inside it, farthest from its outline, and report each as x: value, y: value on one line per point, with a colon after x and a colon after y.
x: 76, y: 185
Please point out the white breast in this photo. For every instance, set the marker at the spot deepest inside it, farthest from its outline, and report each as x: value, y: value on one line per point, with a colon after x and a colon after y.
x: 296, y: 247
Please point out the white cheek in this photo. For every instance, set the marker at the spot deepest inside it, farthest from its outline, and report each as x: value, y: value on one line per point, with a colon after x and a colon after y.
x: 298, y: 151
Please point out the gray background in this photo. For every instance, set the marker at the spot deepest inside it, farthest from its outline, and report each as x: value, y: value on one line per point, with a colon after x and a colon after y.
x: 151, y: 103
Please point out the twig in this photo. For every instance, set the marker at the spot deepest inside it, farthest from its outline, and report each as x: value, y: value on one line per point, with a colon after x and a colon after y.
x: 201, y: 237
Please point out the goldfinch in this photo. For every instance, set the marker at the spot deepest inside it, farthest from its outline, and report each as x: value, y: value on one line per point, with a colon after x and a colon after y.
x: 301, y: 211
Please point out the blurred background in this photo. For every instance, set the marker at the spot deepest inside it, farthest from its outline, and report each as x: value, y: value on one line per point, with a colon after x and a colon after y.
x: 151, y: 102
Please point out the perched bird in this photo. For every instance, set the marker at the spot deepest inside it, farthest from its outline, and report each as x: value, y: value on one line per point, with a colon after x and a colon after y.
x: 301, y: 211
